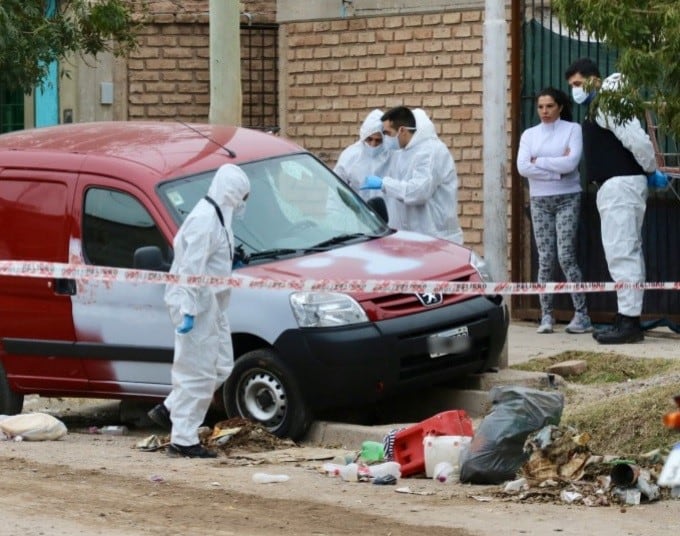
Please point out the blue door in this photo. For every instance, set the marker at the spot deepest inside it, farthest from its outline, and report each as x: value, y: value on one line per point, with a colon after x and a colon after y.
x: 47, y: 94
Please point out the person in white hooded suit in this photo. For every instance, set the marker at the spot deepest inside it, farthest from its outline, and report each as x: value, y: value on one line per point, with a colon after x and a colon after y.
x: 366, y: 156
x: 421, y: 183
x: 204, y: 357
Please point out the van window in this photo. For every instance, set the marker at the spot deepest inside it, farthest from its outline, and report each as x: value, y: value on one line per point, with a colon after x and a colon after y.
x: 295, y: 202
x: 115, y: 224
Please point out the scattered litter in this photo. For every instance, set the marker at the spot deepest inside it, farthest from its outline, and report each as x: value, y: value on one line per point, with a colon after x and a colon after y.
x: 570, y: 497
x: 245, y: 435
x: 385, y: 480
x: 408, y: 490
x: 495, y: 453
x: 516, y: 486
x: 266, y: 478
x: 481, y: 498
x: 32, y: 427
x: 556, y: 452
x: 151, y: 443
x: 157, y: 479
x: 113, y: 430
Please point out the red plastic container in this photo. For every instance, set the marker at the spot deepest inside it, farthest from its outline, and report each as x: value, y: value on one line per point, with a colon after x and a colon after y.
x: 408, y: 443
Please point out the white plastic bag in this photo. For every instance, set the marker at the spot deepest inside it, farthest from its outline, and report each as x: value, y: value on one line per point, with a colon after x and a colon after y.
x: 33, y: 427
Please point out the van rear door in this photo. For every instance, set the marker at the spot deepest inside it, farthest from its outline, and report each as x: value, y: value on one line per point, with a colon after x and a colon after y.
x: 36, y: 326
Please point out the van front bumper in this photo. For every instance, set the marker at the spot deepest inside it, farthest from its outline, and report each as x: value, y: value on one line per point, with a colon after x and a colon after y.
x: 364, y: 363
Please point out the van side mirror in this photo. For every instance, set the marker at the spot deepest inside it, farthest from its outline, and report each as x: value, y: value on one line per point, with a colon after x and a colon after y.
x: 379, y: 207
x: 150, y: 258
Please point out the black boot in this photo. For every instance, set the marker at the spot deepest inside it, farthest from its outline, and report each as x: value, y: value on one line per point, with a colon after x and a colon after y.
x: 627, y: 331
x: 609, y: 327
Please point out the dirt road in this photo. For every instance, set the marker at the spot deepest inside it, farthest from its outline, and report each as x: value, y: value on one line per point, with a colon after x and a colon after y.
x: 96, y: 484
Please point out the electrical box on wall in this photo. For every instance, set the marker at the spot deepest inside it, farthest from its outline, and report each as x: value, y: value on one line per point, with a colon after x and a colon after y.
x: 106, y: 93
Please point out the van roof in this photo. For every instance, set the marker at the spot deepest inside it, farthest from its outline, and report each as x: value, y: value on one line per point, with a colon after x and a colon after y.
x: 164, y: 149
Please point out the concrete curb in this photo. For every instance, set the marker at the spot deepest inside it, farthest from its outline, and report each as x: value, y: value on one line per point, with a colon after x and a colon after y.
x: 408, y: 410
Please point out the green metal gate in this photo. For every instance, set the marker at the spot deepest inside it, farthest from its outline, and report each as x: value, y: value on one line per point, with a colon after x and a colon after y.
x: 547, y: 51
x: 11, y: 110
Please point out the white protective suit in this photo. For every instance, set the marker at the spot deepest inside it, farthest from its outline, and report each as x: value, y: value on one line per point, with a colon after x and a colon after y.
x: 421, y: 186
x: 359, y: 160
x: 204, y: 356
x: 621, y: 203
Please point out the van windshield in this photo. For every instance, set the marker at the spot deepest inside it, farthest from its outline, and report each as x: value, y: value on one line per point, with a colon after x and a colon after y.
x: 296, y: 204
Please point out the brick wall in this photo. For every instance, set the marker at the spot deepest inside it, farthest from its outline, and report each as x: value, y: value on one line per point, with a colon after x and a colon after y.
x: 335, y: 71
x: 168, y: 75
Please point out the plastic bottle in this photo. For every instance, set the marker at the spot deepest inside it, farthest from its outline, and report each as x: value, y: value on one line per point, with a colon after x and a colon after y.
x: 385, y: 468
x: 266, y: 478
x: 349, y: 472
x: 444, y: 472
x: 332, y: 469
x: 372, y: 451
x: 114, y: 430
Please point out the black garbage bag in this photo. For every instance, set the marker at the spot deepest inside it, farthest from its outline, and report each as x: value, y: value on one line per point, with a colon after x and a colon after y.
x: 496, y: 453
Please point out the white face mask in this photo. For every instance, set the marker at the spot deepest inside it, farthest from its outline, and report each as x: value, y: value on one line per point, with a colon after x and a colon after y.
x: 240, y: 210
x: 391, y: 143
x: 580, y: 96
x: 371, y: 150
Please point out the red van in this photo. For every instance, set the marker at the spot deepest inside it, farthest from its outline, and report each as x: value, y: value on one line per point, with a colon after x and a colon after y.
x: 115, y: 193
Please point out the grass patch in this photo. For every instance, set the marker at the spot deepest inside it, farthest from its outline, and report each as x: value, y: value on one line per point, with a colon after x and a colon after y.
x: 625, y: 425
x: 604, y: 367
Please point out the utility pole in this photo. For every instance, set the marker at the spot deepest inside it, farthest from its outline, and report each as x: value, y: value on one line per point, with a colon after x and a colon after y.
x: 494, y: 107
x: 225, y: 62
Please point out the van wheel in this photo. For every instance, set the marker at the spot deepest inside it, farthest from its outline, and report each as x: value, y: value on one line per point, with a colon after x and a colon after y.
x: 262, y: 389
x: 11, y: 403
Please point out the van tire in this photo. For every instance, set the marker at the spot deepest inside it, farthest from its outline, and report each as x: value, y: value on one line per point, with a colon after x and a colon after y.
x: 11, y: 403
x: 262, y: 389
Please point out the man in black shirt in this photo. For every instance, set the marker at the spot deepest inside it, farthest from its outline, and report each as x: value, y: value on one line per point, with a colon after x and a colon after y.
x: 618, y: 157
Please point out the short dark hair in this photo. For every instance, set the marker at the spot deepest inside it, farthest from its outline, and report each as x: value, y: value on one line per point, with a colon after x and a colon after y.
x: 400, y: 116
x: 561, y: 98
x: 583, y: 66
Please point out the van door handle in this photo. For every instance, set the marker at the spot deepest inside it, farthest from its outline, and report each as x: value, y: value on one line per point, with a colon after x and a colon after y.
x: 65, y: 286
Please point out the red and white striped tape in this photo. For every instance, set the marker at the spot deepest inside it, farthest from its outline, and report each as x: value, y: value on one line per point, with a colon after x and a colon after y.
x: 101, y: 273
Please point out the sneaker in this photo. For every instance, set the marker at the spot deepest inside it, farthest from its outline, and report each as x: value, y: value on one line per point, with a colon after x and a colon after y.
x: 160, y: 415
x: 193, y: 451
x: 546, y: 325
x: 580, y: 324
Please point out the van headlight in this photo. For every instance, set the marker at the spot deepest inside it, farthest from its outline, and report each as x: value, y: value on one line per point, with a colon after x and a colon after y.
x: 481, y: 267
x: 325, y: 309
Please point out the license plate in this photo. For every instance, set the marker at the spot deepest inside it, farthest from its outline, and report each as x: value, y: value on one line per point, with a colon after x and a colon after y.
x: 453, y: 341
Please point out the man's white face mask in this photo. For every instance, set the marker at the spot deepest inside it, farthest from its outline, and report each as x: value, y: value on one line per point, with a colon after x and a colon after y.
x: 391, y: 143
x: 580, y: 96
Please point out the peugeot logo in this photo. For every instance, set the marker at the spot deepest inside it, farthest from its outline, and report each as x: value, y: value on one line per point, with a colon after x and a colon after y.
x: 429, y: 299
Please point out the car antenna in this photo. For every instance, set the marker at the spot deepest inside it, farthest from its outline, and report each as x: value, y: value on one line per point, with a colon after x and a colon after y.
x: 229, y: 151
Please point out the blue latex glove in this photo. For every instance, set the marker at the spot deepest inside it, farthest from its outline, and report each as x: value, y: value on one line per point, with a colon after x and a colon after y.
x: 187, y: 324
x: 658, y: 179
x: 372, y: 182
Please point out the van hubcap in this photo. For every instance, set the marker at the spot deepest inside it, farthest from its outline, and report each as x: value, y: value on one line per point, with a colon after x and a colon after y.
x: 264, y: 398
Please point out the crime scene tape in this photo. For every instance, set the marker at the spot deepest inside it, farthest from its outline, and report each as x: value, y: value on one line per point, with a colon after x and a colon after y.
x: 45, y: 270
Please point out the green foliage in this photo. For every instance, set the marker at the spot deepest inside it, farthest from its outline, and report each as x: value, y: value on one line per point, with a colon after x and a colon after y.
x: 647, y: 35
x: 30, y: 38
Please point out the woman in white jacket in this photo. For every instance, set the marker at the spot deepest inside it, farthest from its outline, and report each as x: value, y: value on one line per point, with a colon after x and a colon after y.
x: 549, y: 155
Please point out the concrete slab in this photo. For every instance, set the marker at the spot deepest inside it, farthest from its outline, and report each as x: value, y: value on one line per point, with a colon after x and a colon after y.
x: 525, y: 344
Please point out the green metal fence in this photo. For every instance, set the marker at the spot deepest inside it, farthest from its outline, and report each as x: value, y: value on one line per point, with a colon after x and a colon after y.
x: 11, y: 110
x: 547, y: 50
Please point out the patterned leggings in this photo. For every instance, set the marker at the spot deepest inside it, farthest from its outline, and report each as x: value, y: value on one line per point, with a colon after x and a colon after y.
x: 555, y: 221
